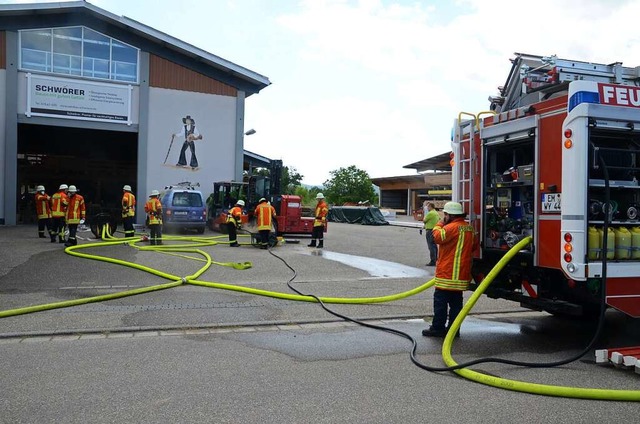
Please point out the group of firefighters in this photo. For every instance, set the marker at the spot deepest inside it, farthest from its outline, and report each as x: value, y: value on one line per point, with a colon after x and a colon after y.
x: 65, y: 210
x: 265, y: 214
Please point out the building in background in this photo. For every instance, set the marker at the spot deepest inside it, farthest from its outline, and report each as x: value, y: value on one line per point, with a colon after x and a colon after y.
x: 405, y: 194
x: 98, y: 100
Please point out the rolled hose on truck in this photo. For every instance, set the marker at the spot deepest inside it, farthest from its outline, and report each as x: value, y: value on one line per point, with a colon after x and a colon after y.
x: 513, y: 385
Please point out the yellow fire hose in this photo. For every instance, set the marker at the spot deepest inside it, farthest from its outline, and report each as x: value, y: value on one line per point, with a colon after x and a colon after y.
x: 549, y: 390
x: 520, y: 386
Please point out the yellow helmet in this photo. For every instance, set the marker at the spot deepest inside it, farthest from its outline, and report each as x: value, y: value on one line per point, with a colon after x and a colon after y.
x: 453, y: 208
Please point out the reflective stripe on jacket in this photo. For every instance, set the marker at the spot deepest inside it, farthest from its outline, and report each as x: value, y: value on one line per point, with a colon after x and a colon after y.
x: 42, y: 206
x: 235, y: 215
x: 59, y: 204
x: 75, y: 210
x: 321, y: 214
x: 128, y: 204
x: 455, y: 248
x: 153, y: 208
x: 264, y: 214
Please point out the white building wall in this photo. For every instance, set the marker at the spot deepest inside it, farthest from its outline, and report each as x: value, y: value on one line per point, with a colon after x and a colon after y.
x: 215, y: 118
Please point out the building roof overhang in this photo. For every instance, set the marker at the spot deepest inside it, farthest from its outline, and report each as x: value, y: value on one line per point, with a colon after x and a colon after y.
x: 37, y: 15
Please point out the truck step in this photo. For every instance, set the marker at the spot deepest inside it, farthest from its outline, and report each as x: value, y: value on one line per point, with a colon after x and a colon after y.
x: 622, y: 357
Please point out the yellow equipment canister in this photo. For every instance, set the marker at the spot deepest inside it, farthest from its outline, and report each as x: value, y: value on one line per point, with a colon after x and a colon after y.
x: 594, y: 243
x: 611, y: 242
x: 623, y: 243
x: 635, y: 242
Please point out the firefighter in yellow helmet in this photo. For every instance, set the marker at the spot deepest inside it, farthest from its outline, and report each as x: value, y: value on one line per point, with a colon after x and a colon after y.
x: 43, y: 209
x: 153, y: 208
x: 234, y: 222
x: 59, y: 204
x: 265, y: 213
x: 128, y: 210
x: 454, y: 237
x: 75, y: 214
x: 319, y: 223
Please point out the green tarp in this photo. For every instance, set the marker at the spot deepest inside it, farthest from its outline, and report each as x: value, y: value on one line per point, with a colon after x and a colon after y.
x: 357, y: 215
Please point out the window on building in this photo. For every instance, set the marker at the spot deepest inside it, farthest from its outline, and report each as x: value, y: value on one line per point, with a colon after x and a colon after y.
x: 78, y: 51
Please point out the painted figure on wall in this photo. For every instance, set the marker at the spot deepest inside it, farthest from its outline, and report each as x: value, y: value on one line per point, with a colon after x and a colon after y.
x: 190, y: 134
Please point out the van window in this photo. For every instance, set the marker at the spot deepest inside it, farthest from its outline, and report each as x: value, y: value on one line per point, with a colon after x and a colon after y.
x: 187, y: 199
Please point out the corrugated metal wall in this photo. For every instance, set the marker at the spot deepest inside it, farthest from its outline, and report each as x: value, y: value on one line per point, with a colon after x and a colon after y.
x: 3, y: 50
x: 166, y: 74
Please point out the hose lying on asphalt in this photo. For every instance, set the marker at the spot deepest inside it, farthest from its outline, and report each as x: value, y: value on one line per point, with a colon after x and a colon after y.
x: 462, y: 369
x: 549, y: 390
x: 174, y: 249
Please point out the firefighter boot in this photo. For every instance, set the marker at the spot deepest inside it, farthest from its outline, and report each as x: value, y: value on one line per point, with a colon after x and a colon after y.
x: 320, y: 244
x: 312, y: 244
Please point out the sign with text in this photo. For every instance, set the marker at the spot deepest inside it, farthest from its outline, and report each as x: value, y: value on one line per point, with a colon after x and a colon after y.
x: 77, y: 99
x: 619, y: 95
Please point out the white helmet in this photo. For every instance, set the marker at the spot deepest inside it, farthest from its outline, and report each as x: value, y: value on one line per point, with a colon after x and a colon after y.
x: 453, y: 208
x: 154, y: 193
x: 40, y: 188
x: 240, y: 202
x: 72, y: 189
x: 127, y: 187
x: 63, y: 187
x: 319, y: 196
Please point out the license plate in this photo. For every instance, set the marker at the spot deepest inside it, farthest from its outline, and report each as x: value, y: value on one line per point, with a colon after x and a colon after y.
x: 551, y: 202
x: 180, y: 213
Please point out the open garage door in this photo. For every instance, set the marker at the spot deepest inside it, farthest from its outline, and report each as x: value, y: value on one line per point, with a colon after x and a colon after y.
x: 98, y: 162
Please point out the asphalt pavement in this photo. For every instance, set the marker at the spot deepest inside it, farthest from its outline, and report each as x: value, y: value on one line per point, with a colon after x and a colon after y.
x: 200, y: 354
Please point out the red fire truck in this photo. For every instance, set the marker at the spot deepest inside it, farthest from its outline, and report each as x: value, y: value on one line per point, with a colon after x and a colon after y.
x: 557, y: 157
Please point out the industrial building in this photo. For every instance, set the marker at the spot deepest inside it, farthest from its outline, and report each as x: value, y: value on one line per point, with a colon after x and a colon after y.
x: 98, y: 100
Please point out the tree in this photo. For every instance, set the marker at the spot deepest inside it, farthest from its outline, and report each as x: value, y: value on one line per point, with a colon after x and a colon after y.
x: 290, y: 180
x: 349, y: 185
x: 308, y: 195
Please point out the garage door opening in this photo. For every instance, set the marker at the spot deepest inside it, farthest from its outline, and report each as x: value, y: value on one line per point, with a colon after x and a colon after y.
x: 97, y: 162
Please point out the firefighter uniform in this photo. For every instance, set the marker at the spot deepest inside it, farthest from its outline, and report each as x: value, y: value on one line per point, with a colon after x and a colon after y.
x: 75, y: 213
x: 128, y: 210
x: 264, y: 214
x: 453, y: 268
x: 319, y: 222
x: 234, y: 222
x: 43, y: 209
x: 59, y: 204
x: 153, y: 208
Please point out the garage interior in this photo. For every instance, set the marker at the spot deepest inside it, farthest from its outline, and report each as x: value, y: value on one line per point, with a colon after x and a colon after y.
x: 97, y: 162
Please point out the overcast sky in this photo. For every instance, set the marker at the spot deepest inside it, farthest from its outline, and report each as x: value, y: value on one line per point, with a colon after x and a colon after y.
x: 377, y: 83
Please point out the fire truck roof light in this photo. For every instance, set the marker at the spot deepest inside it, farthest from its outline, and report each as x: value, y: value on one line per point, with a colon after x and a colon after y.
x: 583, y: 97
